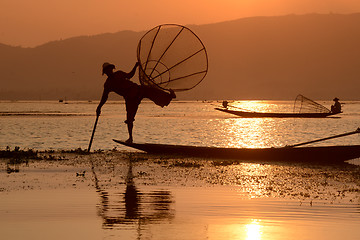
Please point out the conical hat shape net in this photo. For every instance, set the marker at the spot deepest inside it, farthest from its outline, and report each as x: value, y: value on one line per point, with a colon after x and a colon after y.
x: 171, y: 57
x: 305, y: 105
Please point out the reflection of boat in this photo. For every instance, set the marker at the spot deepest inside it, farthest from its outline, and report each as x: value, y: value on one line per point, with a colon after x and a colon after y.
x: 247, y: 114
x: 303, y: 108
x: 325, y: 154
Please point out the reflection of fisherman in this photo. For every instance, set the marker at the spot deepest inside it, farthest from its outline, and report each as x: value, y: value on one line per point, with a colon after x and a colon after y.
x: 225, y: 104
x: 132, y: 196
x: 336, y: 108
x: 119, y: 82
x: 139, y: 208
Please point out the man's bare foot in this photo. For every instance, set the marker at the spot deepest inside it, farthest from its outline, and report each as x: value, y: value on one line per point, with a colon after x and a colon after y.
x: 130, y: 140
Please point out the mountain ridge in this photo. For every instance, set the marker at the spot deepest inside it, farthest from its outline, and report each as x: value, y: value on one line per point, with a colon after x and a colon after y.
x: 249, y: 58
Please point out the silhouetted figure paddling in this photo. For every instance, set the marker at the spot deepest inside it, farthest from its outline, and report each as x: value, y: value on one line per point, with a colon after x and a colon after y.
x: 119, y: 82
x: 336, y: 108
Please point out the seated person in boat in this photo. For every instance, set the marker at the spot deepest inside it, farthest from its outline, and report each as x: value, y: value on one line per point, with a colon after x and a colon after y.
x: 119, y: 82
x: 225, y: 104
x: 336, y: 108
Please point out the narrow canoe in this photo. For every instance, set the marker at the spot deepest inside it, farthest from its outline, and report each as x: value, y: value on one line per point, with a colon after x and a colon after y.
x: 323, y: 154
x: 246, y: 114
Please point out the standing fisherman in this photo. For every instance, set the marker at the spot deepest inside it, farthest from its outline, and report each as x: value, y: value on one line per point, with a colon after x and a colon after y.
x: 119, y: 82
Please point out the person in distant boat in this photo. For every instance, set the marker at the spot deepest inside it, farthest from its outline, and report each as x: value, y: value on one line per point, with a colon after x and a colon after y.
x: 225, y: 103
x: 119, y: 82
x: 336, y: 108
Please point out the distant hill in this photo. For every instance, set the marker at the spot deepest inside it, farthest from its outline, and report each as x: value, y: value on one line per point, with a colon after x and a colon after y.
x: 252, y: 58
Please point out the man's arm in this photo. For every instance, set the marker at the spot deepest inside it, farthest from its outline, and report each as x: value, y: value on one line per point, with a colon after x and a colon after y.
x: 102, y: 102
x: 132, y: 73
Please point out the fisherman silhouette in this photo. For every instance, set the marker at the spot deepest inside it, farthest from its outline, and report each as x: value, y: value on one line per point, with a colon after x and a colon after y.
x: 119, y: 82
x: 336, y: 108
x: 225, y: 103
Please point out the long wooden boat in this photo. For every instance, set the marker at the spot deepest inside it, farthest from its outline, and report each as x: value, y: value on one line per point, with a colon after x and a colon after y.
x: 247, y: 114
x: 323, y: 154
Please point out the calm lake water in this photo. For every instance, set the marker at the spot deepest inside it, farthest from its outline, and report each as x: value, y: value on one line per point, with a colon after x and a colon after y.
x: 126, y: 195
x: 54, y: 125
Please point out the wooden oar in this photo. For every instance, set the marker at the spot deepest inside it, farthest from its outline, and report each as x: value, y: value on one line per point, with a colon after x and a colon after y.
x: 323, y: 139
x: 93, y: 132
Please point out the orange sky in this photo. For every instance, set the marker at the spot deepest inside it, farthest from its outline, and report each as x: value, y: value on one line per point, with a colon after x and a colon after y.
x: 34, y: 22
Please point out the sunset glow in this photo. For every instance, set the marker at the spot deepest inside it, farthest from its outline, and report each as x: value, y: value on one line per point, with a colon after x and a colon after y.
x: 30, y: 23
x: 158, y: 119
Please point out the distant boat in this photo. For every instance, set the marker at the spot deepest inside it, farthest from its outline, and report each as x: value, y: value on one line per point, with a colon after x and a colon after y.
x: 303, y: 108
x: 62, y: 101
x: 246, y: 114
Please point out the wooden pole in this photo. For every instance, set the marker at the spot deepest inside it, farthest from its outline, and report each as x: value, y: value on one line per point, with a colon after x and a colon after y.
x: 93, y: 132
x: 327, y: 138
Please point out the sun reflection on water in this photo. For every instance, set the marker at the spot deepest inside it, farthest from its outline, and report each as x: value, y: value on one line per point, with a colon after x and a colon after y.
x: 250, y: 134
x: 261, y: 106
x: 256, y: 132
x: 253, y: 230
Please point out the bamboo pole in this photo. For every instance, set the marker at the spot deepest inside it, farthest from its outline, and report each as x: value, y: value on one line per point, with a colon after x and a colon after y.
x: 327, y: 138
x: 93, y: 132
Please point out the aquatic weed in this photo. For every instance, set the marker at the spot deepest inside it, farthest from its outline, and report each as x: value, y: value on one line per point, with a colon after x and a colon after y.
x: 77, y: 151
x: 135, y: 157
x: 186, y: 164
x: 18, y: 154
x: 223, y: 163
x: 53, y: 157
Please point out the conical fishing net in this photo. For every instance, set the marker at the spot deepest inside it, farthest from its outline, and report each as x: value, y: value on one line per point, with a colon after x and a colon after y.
x: 305, y: 105
x: 171, y: 57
